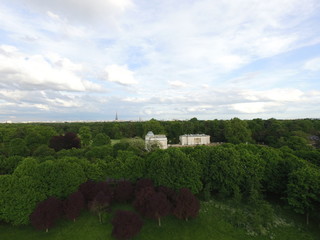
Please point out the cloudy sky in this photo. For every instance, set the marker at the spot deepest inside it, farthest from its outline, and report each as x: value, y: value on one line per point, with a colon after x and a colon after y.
x: 68, y: 60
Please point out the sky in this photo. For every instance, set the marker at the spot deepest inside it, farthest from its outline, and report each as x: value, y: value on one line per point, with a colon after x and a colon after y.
x: 71, y: 60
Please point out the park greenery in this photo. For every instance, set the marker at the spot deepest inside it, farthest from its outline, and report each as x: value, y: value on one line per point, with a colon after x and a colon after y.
x: 50, y: 170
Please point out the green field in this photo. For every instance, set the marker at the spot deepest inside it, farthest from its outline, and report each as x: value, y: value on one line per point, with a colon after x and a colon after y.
x: 209, y: 225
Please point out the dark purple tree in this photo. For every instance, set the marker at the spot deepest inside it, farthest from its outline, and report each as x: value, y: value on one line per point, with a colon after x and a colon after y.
x: 100, y: 204
x: 57, y: 143
x: 88, y: 189
x: 104, y: 187
x: 141, y: 202
x: 187, y: 205
x: 143, y: 183
x: 126, y: 224
x: 73, y: 205
x: 170, y: 193
x: 71, y: 140
x: 68, y: 141
x: 123, y: 191
x: 46, y: 213
x: 158, y: 206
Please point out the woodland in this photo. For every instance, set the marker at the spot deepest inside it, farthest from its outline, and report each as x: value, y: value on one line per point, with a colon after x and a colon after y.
x: 50, y: 170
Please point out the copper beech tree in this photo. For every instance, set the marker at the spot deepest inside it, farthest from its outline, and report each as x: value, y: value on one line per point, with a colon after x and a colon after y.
x: 187, y: 205
x: 126, y: 224
x: 46, y: 213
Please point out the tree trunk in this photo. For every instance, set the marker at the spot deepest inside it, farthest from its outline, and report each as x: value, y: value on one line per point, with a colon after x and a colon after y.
x: 159, y: 222
x: 74, y: 220
x: 100, y: 220
x: 47, y: 230
x: 307, y: 216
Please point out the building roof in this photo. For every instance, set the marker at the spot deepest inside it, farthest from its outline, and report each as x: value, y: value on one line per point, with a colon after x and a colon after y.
x: 194, y: 135
x: 150, y: 134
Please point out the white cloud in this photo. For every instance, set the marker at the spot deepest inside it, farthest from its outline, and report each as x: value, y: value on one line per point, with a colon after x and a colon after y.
x: 22, y: 71
x: 177, y: 84
x: 312, y: 65
x: 120, y: 74
x: 255, y: 107
x: 84, y: 11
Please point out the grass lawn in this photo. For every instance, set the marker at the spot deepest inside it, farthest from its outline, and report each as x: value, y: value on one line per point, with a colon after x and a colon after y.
x: 209, y: 225
x: 114, y: 141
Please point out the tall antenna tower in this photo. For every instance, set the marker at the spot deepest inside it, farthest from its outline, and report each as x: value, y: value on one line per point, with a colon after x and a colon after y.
x: 116, y: 116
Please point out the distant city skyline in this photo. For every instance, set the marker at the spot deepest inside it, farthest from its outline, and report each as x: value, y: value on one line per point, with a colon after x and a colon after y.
x: 136, y: 59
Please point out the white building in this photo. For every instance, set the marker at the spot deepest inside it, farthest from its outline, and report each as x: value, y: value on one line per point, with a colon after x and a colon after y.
x: 160, y: 140
x: 194, y: 139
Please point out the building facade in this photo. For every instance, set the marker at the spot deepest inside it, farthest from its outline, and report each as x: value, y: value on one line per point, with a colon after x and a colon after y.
x: 159, y: 140
x: 194, y: 139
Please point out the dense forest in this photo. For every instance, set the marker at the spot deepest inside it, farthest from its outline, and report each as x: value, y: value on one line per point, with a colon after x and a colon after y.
x: 259, y: 161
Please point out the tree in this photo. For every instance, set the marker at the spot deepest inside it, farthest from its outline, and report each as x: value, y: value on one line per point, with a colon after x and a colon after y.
x: 158, y: 206
x: 19, y: 196
x: 86, y: 136
x: 100, y: 204
x: 187, y: 205
x: 142, y: 200
x: 8, y: 165
x: 18, y: 147
x: 46, y: 213
x: 101, y: 139
x: 123, y: 191
x: 43, y: 151
x: 71, y: 140
x: 126, y: 224
x: 143, y: 183
x: 175, y: 169
x: 67, y: 141
x: 88, y: 190
x: 59, y: 178
x: 57, y: 143
x: 73, y: 205
x: 237, y: 131
x: 304, y: 189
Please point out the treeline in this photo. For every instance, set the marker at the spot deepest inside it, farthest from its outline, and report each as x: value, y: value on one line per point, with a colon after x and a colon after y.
x: 272, y: 132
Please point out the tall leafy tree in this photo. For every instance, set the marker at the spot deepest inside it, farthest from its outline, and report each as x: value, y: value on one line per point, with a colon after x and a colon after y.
x: 237, y: 131
x: 174, y: 169
x: 18, y: 198
x: 304, y: 190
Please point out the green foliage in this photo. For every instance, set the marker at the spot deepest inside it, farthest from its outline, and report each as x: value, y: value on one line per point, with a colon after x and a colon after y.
x: 304, y: 189
x: 101, y: 139
x: 19, y: 196
x: 99, y: 152
x: 43, y: 151
x: 7, y: 165
x: 18, y: 147
x: 174, y: 169
x: 85, y: 136
x: 126, y: 166
x: 225, y: 173
x: 237, y: 131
